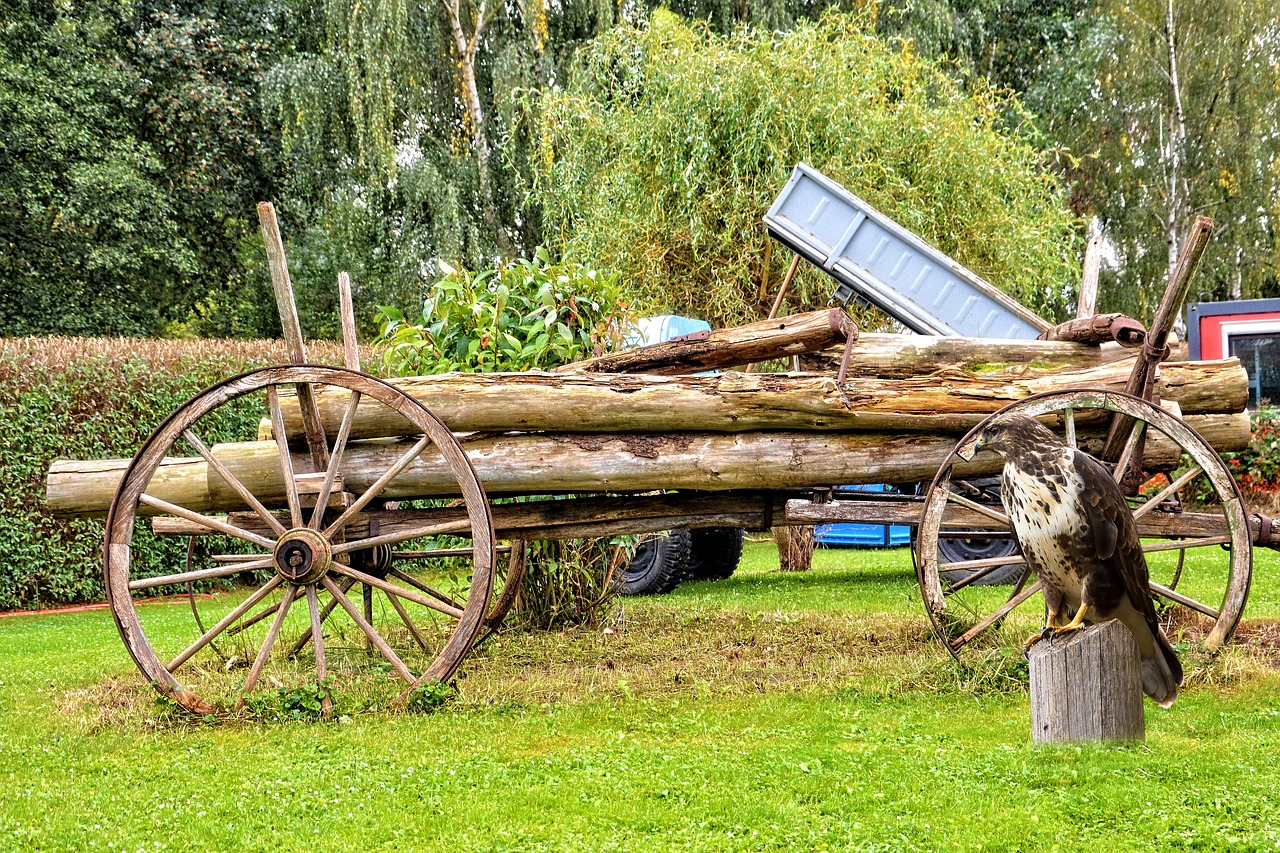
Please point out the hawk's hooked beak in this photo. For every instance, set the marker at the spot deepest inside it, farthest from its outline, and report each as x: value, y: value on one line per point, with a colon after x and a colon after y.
x: 967, y: 450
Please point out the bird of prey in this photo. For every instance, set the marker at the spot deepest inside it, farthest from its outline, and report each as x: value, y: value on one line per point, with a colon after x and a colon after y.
x: 1077, y: 534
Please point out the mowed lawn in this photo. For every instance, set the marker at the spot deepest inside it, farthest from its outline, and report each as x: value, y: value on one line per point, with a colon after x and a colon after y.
x: 766, y: 712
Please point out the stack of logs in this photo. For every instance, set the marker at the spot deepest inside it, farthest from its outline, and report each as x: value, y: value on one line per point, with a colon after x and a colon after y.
x: 636, y: 421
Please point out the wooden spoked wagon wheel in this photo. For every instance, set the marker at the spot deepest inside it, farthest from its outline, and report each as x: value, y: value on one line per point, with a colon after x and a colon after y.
x: 303, y: 586
x: 1190, y: 513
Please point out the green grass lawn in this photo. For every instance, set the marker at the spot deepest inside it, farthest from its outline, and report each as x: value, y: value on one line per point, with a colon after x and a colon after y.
x: 769, y: 711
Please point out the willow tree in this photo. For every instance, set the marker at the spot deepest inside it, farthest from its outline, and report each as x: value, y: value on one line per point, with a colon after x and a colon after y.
x: 393, y: 113
x: 668, y: 144
x: 1166, y: 110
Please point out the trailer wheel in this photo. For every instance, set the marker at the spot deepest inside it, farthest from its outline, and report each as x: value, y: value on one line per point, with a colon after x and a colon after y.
x: 715, y: 552
x: 658, y: 565
x: 967, y: 550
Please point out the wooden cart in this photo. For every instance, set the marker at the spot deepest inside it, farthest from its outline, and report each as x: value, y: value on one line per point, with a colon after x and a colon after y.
x: 403, y: 533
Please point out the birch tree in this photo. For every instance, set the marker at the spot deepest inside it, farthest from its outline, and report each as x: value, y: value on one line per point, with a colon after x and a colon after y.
x: 1166, y: 110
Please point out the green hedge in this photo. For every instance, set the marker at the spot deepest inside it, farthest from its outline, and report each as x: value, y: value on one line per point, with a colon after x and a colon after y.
x: 77, y: 398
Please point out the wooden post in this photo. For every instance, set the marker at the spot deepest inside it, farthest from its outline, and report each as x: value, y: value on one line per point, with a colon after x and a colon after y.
x: 1087, y: 686
x: 1087, y: 304
x: 292, y: 328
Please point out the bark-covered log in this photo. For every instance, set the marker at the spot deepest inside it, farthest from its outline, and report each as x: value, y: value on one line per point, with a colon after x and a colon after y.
x: 738, y: 402
x: 894, y: 356
x: 583, y: 462
x: 723, y: 348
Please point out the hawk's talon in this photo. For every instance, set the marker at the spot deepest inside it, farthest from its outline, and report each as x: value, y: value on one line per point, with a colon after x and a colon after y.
x: 1045, y: 633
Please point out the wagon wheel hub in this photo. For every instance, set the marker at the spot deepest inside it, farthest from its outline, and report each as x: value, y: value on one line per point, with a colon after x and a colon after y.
x: 302, y: 556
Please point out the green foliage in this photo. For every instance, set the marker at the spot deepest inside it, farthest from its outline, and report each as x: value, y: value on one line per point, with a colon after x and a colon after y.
x: 431, y: 695
x: 1004, y: 43
x: 1143, y: 158
x: 82, y: 399
x: 530, y: 314
x: 660, y: 156
x: 88, y: 243
x: 1257, y: 467
x: 287, y: 704
x: 571, y: 582
x: 520, y: 316
x: 199, y: 109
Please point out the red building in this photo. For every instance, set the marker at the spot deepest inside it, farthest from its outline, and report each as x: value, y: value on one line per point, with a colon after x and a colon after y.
x: 1249, y: 330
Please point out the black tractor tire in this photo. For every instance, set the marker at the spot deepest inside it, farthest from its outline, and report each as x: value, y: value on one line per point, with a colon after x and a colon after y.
x: 658, y: 565
x: 715, y: 553
x: 961, y: 550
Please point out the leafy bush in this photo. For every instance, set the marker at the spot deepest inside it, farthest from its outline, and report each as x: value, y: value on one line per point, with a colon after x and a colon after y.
x: 82, y: 398
x: 1257, y: 467
x: 571, y: 582
x: 528, y: 314
x: 669, y: 143
x: 525, y: 315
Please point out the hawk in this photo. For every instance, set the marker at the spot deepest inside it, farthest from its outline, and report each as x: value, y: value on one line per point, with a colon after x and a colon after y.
x: 1077, y: 534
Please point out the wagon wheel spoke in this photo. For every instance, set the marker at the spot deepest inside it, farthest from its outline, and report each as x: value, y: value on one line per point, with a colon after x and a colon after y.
x: 224, y: 623
x: 408, y: 622
x: 373, y: 635
x: 378, y: 485
x: 1130, y: 447
x: 425, y: 587
x: 972, y: 571
x: 439, y: 528
x: 207, y: 521
x: 263, y: 562
x: 407, y: 594
x: 248, y: 622
x: 1185, y: 600
x: 441, y: 553
x: 1167, y: 492
x: 366, y: 593
x: 1069, y: 420
x: 335, y: 461
x: 317, y: 643
x: 990, y: 513
x: 286, y: 457
x: 1016, y: 599
x: 233, y: 481
x: 308, y: 635
x: 1184, y: 544
x: 251, y: 680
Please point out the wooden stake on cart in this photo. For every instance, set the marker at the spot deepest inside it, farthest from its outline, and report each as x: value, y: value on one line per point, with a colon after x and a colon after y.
x: 1155, y: 348
x: 292, y: 329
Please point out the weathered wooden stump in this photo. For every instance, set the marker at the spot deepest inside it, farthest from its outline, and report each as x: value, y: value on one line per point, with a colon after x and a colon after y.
x: 1087, y: 686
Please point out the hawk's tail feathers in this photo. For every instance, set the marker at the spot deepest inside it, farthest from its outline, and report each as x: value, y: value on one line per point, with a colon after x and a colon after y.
x: 1162, y: 674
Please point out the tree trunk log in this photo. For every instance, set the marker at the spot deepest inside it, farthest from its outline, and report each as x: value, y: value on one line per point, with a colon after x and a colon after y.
x: 1087, y: 686
x: 738, y: 402
x: 795, y: 548
x: 896, y: 356
x: 724, y: 348
x: 583, y: 462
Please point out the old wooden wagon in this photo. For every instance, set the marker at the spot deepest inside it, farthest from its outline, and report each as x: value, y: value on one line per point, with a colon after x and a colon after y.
x: 380, y: 525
